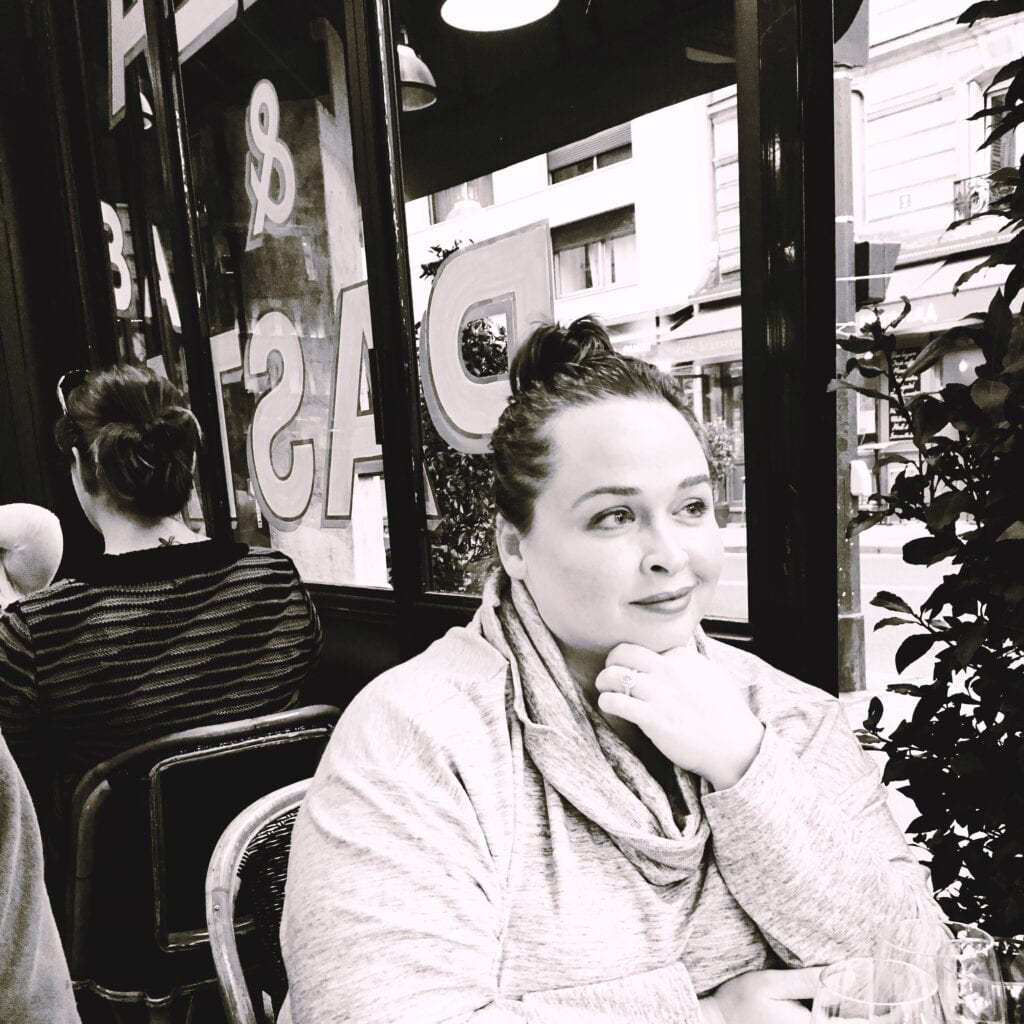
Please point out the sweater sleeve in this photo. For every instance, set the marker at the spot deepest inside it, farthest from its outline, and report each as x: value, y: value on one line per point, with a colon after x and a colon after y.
x: 394, y: 907
x: 818, y: 826
x: 19, y: 695
x: 35, y: 987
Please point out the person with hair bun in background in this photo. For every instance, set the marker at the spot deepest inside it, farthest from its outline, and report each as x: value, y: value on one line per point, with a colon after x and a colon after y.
x: 165, y: 630
x: 580, y: 808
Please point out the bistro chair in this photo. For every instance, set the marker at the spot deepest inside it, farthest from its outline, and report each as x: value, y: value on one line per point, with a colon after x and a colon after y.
x: 144, y: 825
x: 252, y: 858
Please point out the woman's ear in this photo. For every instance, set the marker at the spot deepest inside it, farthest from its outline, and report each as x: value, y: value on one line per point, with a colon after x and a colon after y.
x: 509, y: 541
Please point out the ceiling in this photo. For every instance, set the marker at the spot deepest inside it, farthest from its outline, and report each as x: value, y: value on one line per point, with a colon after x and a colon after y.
x: 591, y: 64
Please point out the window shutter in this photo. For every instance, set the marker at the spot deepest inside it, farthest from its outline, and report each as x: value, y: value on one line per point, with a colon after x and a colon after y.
x: 611, y: 138
x: 605, y: 225
x: 1002, y: 152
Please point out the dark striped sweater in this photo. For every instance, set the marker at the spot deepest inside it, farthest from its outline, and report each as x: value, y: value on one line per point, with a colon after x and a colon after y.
x: 143, y: 644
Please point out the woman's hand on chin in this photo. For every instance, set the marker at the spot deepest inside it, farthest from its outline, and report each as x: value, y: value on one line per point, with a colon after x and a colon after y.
x: 691, y: 710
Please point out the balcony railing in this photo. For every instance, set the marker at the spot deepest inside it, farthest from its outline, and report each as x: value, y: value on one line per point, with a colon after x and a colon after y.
x: 973, y: 196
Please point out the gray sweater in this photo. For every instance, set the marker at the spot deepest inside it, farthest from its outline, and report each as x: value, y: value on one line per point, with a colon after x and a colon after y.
x: 436, y: 876
x: 35, y: 987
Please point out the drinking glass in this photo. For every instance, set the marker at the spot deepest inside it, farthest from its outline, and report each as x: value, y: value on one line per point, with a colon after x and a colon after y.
x: 876, y: 990
x: 962, y: 960
x: 1011, y: 964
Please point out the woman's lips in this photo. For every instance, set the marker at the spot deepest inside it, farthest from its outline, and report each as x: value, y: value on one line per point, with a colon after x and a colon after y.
x: 666, y: 603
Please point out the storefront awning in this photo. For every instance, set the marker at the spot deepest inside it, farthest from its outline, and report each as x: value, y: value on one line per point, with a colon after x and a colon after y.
x: 929, y: 286
x: 709, y: 336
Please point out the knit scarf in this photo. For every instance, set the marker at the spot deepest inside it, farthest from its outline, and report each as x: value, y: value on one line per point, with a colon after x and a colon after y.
x: 578, y: 753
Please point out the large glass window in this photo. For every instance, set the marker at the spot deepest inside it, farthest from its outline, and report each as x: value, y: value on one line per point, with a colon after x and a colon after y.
x: 282, y: 264
x: 630, y: 244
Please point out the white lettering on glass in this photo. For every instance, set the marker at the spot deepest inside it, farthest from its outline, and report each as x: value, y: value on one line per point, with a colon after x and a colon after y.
x: 196, y: 23
x: 512, y: 271
x: 284, y: 496
x: 163, y: 281
x: 226, y: 353
x: 126, y: 37
x: 122, y: 280
x: 352, y: 437
x: 270, y: 158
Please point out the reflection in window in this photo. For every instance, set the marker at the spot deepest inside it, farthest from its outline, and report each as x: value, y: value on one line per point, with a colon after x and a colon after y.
x: 595, y: 253
x: 1002, y: 151
x: 270, y: 141
x: 727, y: 190
x: 450, y: 203
x: 590, y: 154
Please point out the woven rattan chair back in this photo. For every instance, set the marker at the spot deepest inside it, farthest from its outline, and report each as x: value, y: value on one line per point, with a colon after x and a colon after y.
x: 252, y: 858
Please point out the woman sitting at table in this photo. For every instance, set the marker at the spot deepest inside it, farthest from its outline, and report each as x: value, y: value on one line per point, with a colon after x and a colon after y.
x: 580, y: 807
x: 164, y: 631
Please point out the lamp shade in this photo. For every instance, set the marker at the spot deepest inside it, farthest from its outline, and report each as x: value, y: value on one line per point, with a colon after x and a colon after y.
x: 419, y: 89
x: 494, y: 15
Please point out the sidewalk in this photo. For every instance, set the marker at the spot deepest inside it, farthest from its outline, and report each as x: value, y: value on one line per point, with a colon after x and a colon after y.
x: 876, y: 540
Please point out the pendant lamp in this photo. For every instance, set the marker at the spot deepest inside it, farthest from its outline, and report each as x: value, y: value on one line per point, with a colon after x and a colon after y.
x: 494, y: 15
x: 419, y: 89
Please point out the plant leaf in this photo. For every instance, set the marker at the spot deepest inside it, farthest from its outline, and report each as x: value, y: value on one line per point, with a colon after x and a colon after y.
x: 874, y: 715
x: 989, y: 396
x: 927, y: 416
x: 913, y: 648
x: 988, y: 9
x: 893, y: 602
x: 861, y: 521
x: 1015, y: 531
x: 834, y: 385
x: 928, y: 550
x: 892, y: 620
x: 946, y: 509
x: 933, y: 352
x: 970, y: 640
x: 968, y: 274
x: 884, y: 460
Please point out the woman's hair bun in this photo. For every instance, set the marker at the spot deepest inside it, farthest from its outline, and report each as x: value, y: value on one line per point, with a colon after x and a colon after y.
x: 139, y: 436
x: 553, y: 349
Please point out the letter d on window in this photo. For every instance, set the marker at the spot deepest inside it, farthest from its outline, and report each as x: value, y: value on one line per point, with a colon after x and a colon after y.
x: 511, y: 272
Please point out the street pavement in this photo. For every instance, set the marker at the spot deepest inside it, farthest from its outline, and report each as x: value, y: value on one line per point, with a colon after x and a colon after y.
x: 882, y: 568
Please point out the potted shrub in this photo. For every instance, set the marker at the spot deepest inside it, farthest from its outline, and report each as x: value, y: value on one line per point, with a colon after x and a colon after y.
x: 723, y: 446
x: 960, y: 754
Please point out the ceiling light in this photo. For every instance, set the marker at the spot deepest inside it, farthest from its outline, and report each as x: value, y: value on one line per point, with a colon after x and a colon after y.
x: 494, y: 15
x: 419, y: 89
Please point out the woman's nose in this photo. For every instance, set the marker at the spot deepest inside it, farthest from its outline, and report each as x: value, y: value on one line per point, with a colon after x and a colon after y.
x: 664, y: 553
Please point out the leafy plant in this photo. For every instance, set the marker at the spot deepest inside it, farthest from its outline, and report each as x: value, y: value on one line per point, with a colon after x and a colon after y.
x: 960, y: 754
x: 462, y: 539
x: 723, y: 448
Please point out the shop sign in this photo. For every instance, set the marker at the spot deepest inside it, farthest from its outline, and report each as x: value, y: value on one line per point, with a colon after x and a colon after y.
x: 899, y: 430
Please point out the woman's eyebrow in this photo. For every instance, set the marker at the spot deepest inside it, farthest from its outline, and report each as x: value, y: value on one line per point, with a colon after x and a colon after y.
x: 626, y: 492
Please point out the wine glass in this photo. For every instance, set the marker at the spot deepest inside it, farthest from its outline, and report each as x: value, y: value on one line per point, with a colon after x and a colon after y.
x: 869, y: 990
x: 962, y: 960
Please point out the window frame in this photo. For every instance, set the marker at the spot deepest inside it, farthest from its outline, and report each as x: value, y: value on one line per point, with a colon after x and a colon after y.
x: 786, y: 302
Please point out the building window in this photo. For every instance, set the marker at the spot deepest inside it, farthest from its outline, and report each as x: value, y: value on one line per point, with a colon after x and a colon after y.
x: 595, y: 253
x: 590, y: 154
x: 468, y: 197
x: 1002, y: 151
x: 727, y: 189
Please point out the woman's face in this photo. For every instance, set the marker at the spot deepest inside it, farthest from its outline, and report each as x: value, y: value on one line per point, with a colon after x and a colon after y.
x: 624, y: 546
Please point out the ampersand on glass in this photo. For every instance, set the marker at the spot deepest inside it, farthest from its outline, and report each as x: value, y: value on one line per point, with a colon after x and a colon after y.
x: 269, y: 155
